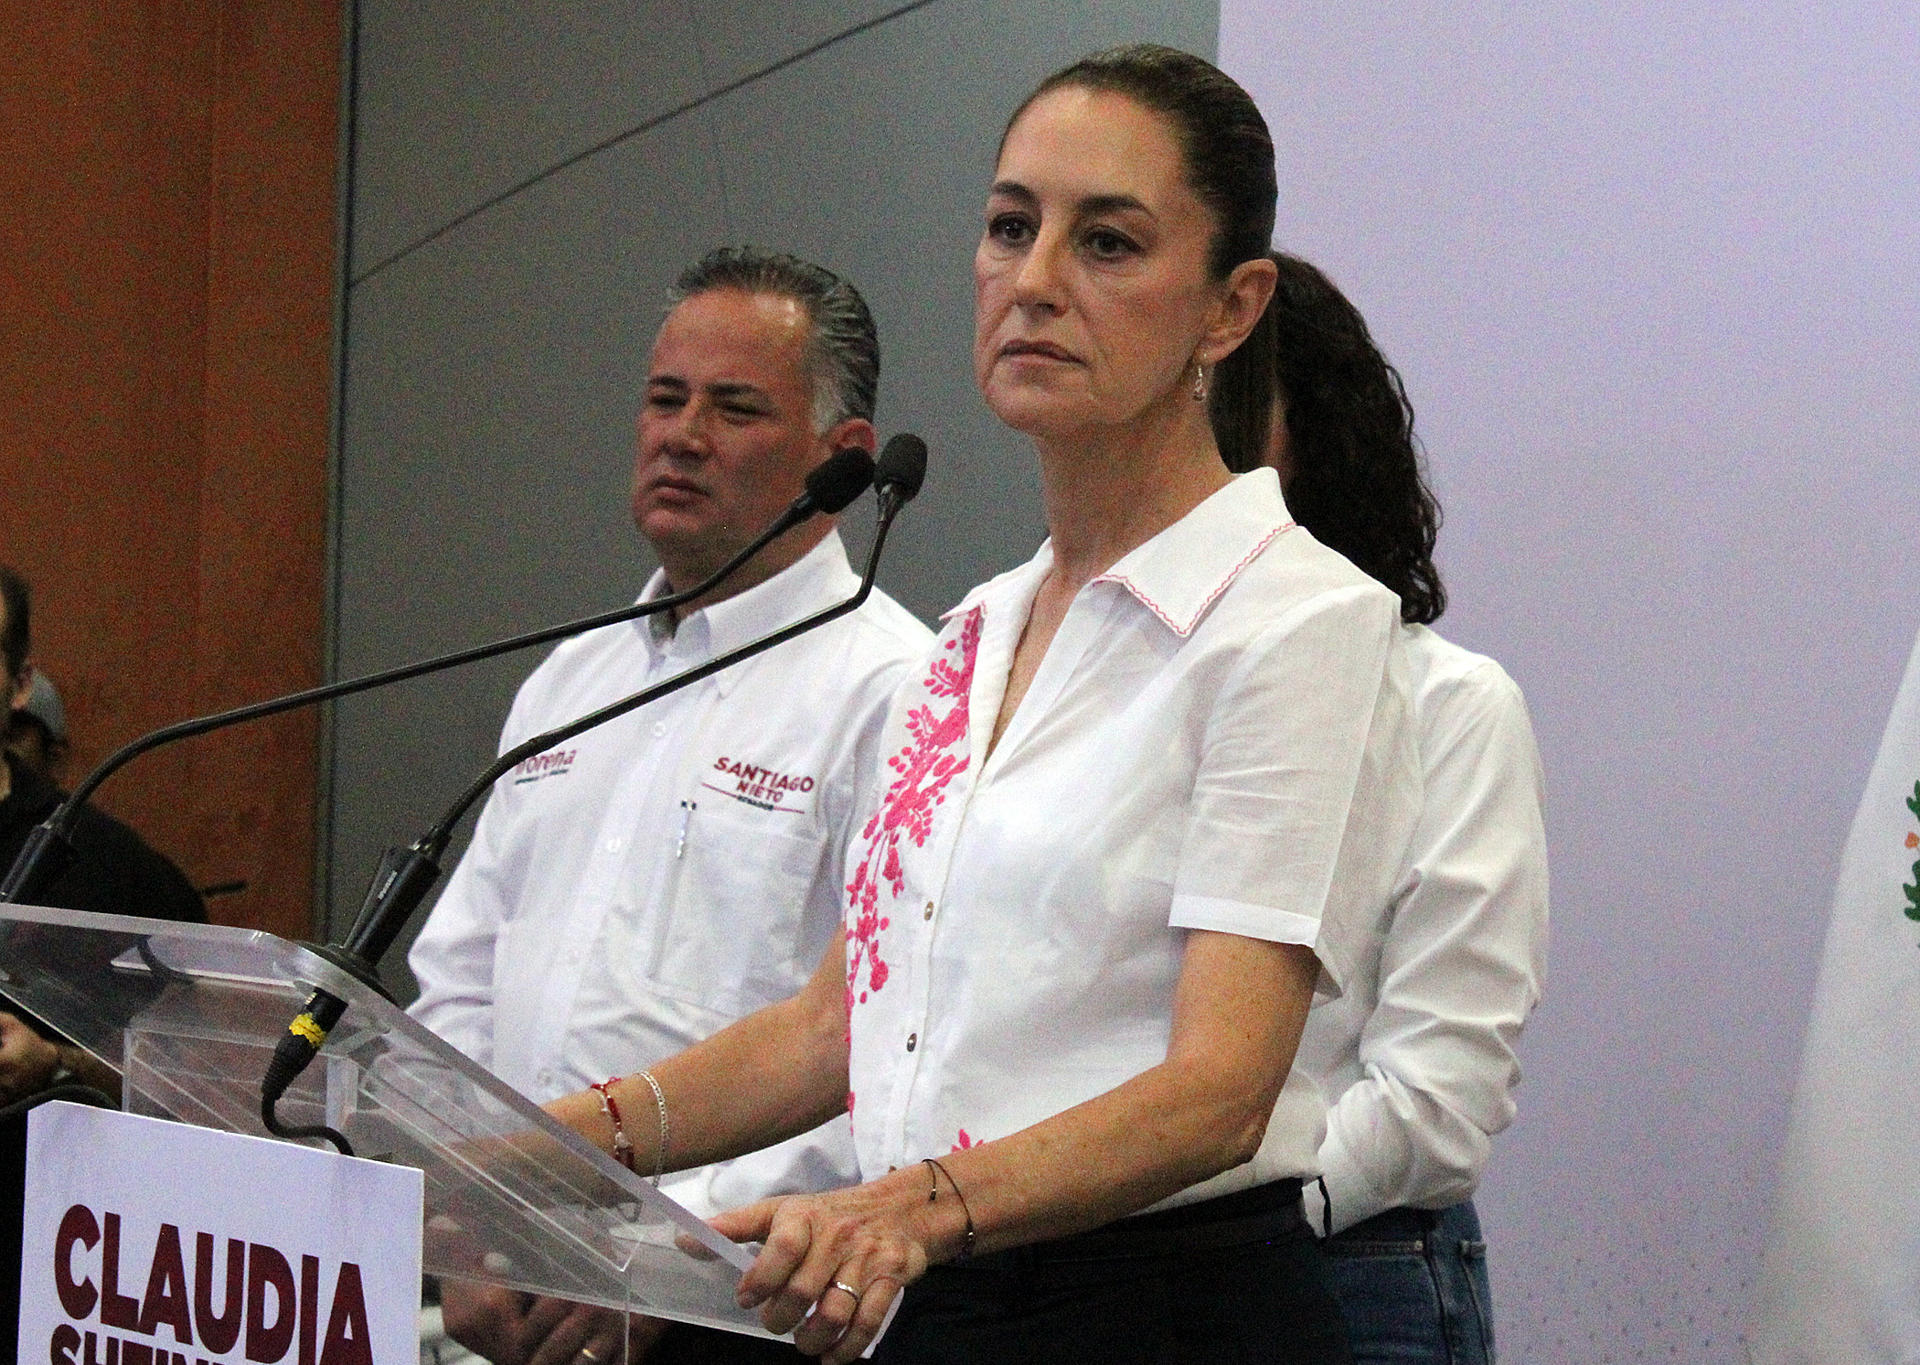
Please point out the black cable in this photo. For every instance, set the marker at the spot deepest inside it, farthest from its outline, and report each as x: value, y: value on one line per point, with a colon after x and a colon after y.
x: 76, y: 1092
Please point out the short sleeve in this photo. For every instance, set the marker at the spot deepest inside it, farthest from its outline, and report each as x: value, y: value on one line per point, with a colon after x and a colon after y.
x: 1308, y: 783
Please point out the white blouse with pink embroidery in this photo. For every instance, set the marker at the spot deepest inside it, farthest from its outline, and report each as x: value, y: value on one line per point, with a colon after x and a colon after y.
x: 1217, y: 738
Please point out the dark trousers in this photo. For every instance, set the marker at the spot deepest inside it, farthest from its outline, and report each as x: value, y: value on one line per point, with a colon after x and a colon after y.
x: 1234, y: 1279
x: 685, y: 1344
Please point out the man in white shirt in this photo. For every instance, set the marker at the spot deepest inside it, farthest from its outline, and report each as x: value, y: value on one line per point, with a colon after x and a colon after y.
x: 643, y: 885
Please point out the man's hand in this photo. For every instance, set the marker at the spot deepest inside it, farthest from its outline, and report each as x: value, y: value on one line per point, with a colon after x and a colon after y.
x: 27, y: 1061
x: 511, y: 1328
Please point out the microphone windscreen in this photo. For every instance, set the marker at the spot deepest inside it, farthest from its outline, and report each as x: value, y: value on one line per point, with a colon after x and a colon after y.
x: 840, y: 478
x: 902, y: 465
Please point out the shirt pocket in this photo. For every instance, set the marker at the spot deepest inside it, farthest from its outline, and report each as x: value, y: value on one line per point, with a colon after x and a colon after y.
x: 736, y: 912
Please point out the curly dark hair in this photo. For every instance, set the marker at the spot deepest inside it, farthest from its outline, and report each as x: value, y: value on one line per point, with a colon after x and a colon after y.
x: 1352, y: 467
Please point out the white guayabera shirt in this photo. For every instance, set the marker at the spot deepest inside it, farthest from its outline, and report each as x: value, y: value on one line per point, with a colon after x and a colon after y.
x: 644, y: 885
x: 1218, y: 738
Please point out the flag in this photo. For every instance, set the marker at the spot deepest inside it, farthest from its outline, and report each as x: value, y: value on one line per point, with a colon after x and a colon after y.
x: 1841, y: 1279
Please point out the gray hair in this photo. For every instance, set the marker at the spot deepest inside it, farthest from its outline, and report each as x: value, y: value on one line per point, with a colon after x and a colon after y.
x: 843, y: 349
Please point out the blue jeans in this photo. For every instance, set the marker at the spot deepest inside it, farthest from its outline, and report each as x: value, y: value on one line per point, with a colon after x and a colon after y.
x: 1413, y: 1287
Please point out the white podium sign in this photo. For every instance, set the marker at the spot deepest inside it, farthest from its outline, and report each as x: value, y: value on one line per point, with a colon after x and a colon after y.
x: 154, y: 1243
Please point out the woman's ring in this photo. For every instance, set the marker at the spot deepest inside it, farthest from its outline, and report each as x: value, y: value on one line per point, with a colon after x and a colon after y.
x: 846, y: 1288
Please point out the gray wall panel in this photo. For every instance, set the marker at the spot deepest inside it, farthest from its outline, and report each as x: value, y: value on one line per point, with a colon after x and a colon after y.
x: 456, y: 103
x: 492, y: 384
x: 493, y: 374
x: 736, y: 39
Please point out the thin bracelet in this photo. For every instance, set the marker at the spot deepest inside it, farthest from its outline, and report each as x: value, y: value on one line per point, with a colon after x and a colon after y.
x: 660, y: 1103
x: 622, y: 1144
x: 933, y: 1192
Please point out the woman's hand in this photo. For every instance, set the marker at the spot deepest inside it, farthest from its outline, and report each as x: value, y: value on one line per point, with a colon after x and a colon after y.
x: 832, y: 1264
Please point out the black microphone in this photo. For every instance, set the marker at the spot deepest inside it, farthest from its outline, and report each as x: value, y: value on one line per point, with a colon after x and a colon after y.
x: 831, y: 487
x: 49, y: 851
x: 405, y: 875
x: 900, y: 470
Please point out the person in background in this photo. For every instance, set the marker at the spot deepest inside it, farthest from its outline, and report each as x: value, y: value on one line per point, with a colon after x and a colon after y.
x: 1418, y: 1056
x: 36, y: 735
x: 115, y: 873
x: 654, y: 879
x: 1064, y: 1007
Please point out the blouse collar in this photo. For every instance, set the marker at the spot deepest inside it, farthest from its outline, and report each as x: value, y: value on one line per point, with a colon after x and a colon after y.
x: 1182, y: 571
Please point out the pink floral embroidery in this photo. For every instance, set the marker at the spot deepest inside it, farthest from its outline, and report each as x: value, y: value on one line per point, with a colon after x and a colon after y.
x: 964, y: 1142
x: 925, y: 767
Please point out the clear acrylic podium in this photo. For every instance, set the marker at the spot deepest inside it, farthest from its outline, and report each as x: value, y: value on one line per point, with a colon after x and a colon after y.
x: 189, y: 1016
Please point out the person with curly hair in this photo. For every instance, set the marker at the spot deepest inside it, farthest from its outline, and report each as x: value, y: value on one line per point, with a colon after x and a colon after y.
x: 1418, y: 1057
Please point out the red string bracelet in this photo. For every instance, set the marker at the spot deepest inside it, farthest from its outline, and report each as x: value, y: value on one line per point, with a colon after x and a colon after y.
x: 622, y: 1144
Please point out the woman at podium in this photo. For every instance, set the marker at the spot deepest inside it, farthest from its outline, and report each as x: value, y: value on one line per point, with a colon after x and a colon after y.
x: 1137, y: 808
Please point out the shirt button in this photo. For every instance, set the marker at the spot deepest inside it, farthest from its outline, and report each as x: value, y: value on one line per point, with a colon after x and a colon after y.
x: 659, y: 728
x: 613, y: 845
x: 929, y: 914
x: 913, y: 1041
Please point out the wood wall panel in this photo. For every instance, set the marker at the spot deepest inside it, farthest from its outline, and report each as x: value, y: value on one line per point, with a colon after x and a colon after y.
x: 167, y: 205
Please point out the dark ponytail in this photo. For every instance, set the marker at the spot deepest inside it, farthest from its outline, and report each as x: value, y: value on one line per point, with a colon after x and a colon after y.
x: 1353, y: 470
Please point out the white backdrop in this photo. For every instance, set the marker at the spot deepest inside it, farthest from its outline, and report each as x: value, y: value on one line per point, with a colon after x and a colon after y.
x: 1652, y: 271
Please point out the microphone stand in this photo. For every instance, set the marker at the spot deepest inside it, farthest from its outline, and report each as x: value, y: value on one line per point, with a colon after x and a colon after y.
x: 49, y: 850
x: 405, y: 875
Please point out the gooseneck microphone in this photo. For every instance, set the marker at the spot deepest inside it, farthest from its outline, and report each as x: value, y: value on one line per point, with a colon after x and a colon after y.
x: 899, y: 472
x: 49, y: 851
x: 405, y: 875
